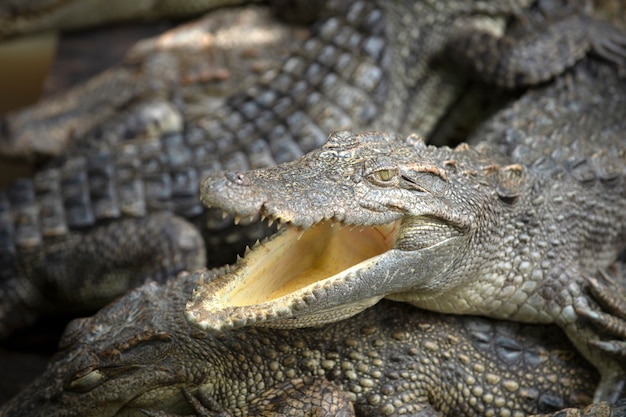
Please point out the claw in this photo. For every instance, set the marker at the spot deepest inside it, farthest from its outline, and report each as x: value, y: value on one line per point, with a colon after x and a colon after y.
x: 609, y: 43
x: 612, y: 347
x: 609, y: 295
x: 603, y: 321
x: 612, y: 52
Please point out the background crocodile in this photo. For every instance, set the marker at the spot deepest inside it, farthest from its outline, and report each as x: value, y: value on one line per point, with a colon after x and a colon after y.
x: 137, y: 172
x: 27, y: 16
x: 508, y: 234
x: 139, y: 353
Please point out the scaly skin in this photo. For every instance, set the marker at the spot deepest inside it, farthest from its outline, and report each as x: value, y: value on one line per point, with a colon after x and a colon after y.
x: 139, y: 353
x: 139, y: 144
x: 510, y: 228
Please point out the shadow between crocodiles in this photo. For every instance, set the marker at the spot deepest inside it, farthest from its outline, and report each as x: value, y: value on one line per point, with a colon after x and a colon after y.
x: 375, y: 215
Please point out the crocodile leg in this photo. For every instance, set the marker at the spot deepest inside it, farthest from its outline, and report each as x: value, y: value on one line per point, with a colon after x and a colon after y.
x: 540, y: 45
x: 611, y: 297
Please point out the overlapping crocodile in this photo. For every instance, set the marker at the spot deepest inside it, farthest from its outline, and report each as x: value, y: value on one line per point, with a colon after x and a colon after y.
x: 511, y: 228
x: 139, y: 356
x: 125, y: 189
x: 24, y: 17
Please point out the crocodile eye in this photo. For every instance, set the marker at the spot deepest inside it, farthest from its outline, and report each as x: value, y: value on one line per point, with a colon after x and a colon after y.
x: 385, y: 175
x: 86, y: 380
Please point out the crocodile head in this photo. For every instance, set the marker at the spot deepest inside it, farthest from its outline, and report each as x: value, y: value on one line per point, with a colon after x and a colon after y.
x: 364, y: 217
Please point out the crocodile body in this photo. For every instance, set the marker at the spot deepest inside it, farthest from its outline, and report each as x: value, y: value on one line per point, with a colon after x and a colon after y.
x: 363, y: 65
x: 139, y: 353
x: 511, y: 227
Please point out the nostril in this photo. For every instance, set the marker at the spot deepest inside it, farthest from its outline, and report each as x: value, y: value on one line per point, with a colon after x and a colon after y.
x: 237, y: 177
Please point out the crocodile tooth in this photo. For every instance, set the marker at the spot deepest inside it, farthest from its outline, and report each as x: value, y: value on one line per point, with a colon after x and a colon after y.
x: 237, y: 219
x: 224, y: 215
x: 262, y: 217
x: 270, y: 222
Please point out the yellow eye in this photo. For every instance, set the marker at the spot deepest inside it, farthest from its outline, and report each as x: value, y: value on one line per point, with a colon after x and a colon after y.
x: 385, y: 174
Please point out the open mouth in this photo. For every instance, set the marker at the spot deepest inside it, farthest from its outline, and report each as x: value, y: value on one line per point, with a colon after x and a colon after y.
x: 295, y: 259
x: 288, y: 269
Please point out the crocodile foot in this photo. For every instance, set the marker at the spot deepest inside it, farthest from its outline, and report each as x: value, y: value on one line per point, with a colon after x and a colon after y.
x: 608, y: 42
x: 611, y: 296
x: 610, y: 323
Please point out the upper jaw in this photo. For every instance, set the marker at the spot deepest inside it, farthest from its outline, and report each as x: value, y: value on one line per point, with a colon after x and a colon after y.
x: 253, y: 193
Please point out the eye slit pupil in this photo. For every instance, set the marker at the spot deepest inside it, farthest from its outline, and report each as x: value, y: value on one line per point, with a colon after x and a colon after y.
x: 385, y: 174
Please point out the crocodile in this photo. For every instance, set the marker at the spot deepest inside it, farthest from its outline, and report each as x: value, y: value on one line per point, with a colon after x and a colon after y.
x: 512, y: 227
x: 139, y: 356
x: 364, y: 64
x: 534, y: 42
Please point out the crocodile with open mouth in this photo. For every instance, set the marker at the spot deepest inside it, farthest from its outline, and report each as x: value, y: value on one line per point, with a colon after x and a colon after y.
x: 514, y: 227
x: 131, y: 146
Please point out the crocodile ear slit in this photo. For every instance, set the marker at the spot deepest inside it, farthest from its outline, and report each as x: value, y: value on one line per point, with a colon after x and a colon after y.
x: 507, y: 181
x: 510, y: 182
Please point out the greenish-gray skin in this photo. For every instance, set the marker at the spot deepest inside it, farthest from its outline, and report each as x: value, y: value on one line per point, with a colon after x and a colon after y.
x: 128, y: 158
x: 513, y: 227
x: 140, y: 353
